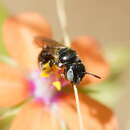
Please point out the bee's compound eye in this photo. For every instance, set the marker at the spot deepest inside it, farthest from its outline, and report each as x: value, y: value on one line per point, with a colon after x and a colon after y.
x: 70, y: 74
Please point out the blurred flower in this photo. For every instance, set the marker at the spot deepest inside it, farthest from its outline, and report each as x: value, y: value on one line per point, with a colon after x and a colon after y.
x: 19, y: 82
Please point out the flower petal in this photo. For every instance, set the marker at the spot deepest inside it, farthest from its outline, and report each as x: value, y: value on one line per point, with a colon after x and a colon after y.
x: 19, y: 32
x: 39, y: 117
x: 95, y: 116
x: 91, y: 54
x: 34, y: 116
x: 13, y: 87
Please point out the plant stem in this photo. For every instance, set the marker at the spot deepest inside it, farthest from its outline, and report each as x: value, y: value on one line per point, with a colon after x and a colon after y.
x: 63, y: 20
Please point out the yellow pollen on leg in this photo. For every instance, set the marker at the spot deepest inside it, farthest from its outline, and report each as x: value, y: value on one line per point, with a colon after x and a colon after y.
x: 44, y: 74
x: 45, y: 70
x: 57, y: 85
x: 46, y: 66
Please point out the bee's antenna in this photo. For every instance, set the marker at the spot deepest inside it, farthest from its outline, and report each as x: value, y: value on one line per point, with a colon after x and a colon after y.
x: 94, y: 75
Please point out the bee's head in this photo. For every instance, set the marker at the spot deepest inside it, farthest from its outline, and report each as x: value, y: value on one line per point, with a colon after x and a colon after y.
x: 75, y: 72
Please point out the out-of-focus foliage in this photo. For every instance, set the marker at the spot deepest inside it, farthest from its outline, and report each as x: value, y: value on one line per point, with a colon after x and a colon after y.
x: 118, y: 58
x: 8, y: 114
x: 109, y: 91
x: 4, y: 122
x: 3, y: 15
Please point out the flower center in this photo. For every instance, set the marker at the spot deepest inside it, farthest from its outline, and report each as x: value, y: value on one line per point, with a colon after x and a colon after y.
x: 46, y: 89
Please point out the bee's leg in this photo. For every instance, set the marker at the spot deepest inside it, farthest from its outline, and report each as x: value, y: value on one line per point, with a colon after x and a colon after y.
x: 51, y: 63
x: 46, y: 69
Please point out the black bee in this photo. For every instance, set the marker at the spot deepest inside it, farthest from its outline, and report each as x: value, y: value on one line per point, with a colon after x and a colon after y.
x: 61, y: 56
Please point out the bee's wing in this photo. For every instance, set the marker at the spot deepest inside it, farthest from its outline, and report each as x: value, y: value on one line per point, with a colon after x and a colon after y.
x: 43, y: 42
